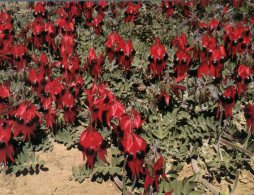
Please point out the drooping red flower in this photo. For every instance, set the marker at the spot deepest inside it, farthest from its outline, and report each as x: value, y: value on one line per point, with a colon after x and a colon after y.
x: 182, y: 60
x: 6, y: 149
x: 68, y: 103
x: 48, y: 112
x: 96, y: 23
x: 40, y: 10
x: 27, y: 119
x: 4, y: 92
x: 168, y: 7
x: 70, y: 67
x: 50, y: 31
x: 153, y: 176
x: 131, y: 122
x: 94, y: 63
x: 88, y: 10
x: 237, y: 39
x: 20, y: 56
x: 132, y: 11
x: 243, y: 78
x: 157, y: 59
x: 125, y: 54
x: 55, y: 89
x: 228, y: 101
x: 249, y: 116
x: 111, y: 45
x: 37, y: 80
x: 135, y: 149
x: 92, y: 143
x: 180, y: 41
x: 115, y: 111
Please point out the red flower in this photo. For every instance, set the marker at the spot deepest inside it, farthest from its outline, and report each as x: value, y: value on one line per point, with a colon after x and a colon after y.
x: 5, y: 93
x: 132, y: 11
x: 37, y: 80
x: 154, y: 175
x: 97, y: 24
x: 92, y: 143
x: 181, y: 60
x: 39, y: 10
x: 6, y: 149
x: 54, y: 89
x: 38, y: 37
x: 228, y: 100
x: 168, y: 7
x: 131, y: 122
x: 214, y: 24
x: 48, y: 111
x: 50, y: 31
x: 243, y: 78
x: 116, y: 110
x: 249, y: 116
x: 125, y: 55
x: 157, y: 59
x: 68, y: 103
x: 135, y: 148
x: 206, y: 69
x: 237, y: 39
x: 180, y: 41
x: 88, y: 10
x: 67, y: 45
x: 94, y: 63
x: 70, y: 66
x: 27, y: 118
x: 20, y: 54
x: 112, y: 44
x: 75, y: 87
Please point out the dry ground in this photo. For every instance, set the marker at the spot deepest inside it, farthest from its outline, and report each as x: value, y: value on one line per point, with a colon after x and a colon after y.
x: 57, y: 179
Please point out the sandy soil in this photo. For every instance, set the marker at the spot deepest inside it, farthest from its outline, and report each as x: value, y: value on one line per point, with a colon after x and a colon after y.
x: 245, y: 184
x: 57, y: 179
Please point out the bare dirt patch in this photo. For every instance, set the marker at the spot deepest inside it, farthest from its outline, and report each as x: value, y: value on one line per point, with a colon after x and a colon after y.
x: 56, y: 180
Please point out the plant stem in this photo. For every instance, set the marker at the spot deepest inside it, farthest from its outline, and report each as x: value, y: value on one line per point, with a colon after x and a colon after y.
x: 220, y: 130
x: 248, y: 137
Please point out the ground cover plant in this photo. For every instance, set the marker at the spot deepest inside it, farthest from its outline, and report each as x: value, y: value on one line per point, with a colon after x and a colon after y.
x: 140, y: 88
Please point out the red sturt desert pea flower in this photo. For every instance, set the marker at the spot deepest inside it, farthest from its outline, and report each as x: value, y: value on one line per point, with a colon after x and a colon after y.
x: 40, y: 10
x: 20, y: 56
x: 182, y: 60
x: 27, y: 118
x: 6, y: 149
x: 92, y: 143
x: 228, y: 101
x: 125, y: 54
x: 132, y: 11
x: 180, y: 41
x: 243, y: 78
x: 249, y: 116
x: 112, y: 44
x: 4, y: 97
x: 68, y: 103
x: 97, y: 23
x: 88, y: 10
x: 168, y: 7
x: 157, y: 59
x: 48, y: 111
x: 50, y: 31
x: 153, y: 176
x: 135, y: 149
x: 94, y: 63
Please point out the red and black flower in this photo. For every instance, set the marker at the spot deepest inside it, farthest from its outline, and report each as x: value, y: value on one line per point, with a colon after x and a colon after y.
x: 92, y: 144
